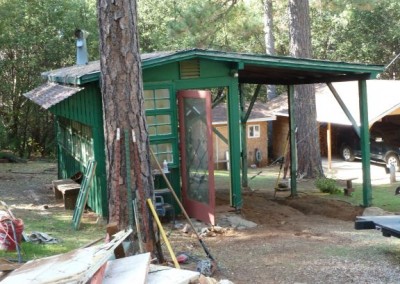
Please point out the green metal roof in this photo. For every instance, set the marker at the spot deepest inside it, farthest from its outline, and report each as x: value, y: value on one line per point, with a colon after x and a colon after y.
x: 252, y: 68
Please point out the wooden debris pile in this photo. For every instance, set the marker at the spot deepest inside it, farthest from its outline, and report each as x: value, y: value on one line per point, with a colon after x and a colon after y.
x: 96, y: 264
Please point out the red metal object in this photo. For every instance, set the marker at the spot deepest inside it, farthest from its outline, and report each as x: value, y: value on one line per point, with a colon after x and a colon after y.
x: 10, y: 233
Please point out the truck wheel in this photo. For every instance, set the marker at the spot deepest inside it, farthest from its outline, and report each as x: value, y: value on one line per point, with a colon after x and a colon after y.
x: 392, y: 159
x: 347, y: 153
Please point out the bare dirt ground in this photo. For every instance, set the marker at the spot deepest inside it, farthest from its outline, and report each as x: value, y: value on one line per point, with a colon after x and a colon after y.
x: 308, y: 239
x: 27, y: 185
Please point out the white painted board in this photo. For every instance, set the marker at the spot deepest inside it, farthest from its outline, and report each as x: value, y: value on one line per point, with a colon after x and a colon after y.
x: 167, y: 275
x: 132, y: 270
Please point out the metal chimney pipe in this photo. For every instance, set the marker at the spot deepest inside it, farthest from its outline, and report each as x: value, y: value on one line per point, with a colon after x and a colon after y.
x: 82, y: 57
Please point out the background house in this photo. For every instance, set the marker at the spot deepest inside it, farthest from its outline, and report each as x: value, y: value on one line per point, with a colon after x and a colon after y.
x: 256, y: 133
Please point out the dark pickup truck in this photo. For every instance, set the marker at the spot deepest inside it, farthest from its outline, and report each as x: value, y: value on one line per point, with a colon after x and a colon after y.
x: 384, y: 143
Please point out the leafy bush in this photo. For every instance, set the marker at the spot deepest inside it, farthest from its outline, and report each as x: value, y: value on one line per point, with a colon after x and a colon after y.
x: 327, y: 185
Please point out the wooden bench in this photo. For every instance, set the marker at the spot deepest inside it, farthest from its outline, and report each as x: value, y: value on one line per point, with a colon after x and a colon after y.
x: 348, y: 190
x: 68, y: 190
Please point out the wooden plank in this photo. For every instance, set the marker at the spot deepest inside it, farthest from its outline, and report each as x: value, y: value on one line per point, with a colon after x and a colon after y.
x: 77, y: 266
x: 6, y: 265
x: 69, y: 194
x: 133, y: 269
x: 56, y: 183
x: 63, y: 188
x: 165, y: 275
x: 112, y: 228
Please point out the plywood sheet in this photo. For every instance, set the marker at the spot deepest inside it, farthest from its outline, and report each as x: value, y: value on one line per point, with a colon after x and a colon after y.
x: 167, y: 275
x: 130, y: 270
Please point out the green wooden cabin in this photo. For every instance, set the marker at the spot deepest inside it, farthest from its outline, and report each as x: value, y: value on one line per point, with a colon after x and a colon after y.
x: 73, y: 95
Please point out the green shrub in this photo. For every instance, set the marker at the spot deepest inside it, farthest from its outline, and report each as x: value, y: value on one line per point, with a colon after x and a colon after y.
x: 327, y: 185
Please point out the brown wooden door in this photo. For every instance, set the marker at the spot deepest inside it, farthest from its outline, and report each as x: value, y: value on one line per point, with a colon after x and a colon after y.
x: 197, y: 161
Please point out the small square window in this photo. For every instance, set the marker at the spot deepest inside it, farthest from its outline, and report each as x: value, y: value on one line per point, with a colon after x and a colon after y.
x: 253, y: 131
x: 163, y: 152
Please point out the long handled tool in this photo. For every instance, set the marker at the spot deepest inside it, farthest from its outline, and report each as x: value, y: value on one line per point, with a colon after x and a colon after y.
x: 160, y: 227
x: 137, y: 222
x: 183, y: 209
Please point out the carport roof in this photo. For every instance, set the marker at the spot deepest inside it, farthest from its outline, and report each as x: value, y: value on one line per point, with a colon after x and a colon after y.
x: 383, y: 99
x: 251, y: 68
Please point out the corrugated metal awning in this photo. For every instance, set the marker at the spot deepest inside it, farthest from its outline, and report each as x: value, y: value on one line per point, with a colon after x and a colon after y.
x: 50, y: 94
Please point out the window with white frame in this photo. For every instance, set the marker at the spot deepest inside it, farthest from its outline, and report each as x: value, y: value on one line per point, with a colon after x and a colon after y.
x: 253, y: 131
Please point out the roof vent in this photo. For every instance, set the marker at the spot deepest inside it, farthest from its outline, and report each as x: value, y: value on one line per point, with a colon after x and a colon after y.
x: 82, y: 57
x: 189, y: 69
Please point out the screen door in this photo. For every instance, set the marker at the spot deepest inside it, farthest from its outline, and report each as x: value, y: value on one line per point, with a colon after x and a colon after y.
x: 197, y: 162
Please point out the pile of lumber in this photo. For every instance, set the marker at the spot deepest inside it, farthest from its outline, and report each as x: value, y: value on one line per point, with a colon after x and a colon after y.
x: 97, y: 264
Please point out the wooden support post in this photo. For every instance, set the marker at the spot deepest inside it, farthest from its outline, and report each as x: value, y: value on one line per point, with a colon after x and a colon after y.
x: 392, y: 174
x: 329, y: 144
x: 293, y: 146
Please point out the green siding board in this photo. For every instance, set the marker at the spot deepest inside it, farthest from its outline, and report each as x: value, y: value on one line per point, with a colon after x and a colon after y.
x: 170, y: 72
x: 81, y: 107
x: 162, y: 73
x: 203, y: 83
x: 85, y: 108
x: 211, y: 69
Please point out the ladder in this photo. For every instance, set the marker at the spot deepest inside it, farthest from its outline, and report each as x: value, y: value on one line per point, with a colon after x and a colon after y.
x: 83, y: 194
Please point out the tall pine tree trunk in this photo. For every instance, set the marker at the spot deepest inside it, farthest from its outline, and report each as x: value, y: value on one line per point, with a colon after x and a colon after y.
x: 122, y: 93
x: 308, y: 149
x: 269, y: 40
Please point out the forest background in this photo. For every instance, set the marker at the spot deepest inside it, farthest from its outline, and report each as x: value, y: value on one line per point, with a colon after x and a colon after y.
x: 37, y: 36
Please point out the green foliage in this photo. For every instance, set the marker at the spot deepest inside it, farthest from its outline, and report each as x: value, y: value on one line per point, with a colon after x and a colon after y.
x: 327, y: 185
x: 355, y: 31
x: 361, y: 31
x: 223, y: 25
x: 36, y: 36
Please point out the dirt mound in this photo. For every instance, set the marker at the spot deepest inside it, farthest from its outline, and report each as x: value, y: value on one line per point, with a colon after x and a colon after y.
x: 315, y: 205
x: 262, y: 208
